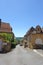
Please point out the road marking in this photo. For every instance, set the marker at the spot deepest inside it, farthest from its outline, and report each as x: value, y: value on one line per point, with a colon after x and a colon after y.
x: 38, y: 52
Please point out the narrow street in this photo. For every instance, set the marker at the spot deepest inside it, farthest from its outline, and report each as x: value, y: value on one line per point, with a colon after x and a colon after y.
x: 21, y: 56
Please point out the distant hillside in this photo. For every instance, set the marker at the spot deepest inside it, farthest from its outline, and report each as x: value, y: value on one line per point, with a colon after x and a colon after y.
x: 19, y: 38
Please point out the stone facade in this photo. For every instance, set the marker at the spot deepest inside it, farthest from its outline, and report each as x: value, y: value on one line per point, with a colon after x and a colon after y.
x: 34, y: 37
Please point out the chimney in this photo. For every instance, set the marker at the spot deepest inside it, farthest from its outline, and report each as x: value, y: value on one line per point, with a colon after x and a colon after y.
x: 0, y: 23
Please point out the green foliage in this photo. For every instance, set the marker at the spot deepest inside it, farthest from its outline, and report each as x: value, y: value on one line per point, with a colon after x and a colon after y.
x: 15, y: 41
x: 7, y: 37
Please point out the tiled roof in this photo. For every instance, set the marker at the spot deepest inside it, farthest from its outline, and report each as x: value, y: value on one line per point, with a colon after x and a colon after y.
x: 33, y: 30
x: 5, y: 27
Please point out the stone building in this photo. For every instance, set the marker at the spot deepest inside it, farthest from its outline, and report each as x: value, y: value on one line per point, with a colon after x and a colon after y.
x: 34, y: 38
x: 5, y: 28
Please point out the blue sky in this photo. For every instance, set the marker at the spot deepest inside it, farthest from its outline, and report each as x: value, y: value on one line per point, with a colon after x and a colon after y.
x: 22, y: 14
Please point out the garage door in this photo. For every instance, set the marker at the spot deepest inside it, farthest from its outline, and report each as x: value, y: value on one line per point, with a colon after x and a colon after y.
x: 38, y: 41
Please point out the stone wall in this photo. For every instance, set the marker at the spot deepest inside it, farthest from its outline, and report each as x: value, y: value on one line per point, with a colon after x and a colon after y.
x: 32, y: 43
